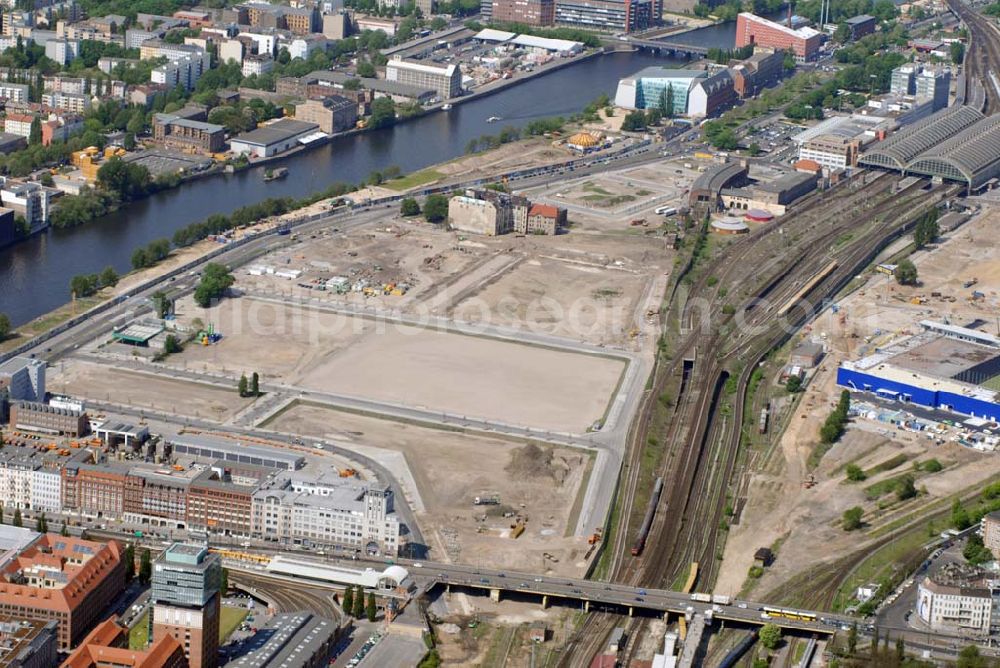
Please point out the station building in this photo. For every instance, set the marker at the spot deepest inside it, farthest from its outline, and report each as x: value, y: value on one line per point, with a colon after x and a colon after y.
x: 944, y: 367
x: 958, y: 144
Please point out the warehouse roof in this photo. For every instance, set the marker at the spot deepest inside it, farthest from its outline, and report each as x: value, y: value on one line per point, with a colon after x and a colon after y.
x: 558, y: 45
x: 284, y: 129
x: 861, y: 18
x: 491, y: 35
x: 288, y: 640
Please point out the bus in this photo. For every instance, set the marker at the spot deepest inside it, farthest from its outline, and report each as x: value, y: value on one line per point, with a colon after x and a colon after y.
x: 666, y: 211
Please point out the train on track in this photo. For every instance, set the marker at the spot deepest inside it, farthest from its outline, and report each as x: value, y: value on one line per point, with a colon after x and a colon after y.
x: 647, y: 521
x: 785, y: 613
x: 807, y: 288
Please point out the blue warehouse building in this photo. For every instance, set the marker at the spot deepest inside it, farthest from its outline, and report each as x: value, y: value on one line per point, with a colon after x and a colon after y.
x: 944, y: 367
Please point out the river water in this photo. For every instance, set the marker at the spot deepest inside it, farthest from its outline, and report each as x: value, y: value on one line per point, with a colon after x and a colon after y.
x: 35, y: 274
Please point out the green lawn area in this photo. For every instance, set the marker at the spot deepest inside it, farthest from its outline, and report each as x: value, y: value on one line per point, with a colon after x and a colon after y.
x: 229, y: 620
x: 138, y: 637
x: 882, y: 563
x: 415, y: 179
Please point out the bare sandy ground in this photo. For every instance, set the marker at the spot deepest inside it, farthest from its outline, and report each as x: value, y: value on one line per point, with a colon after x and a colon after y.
x: 280, y: 342
x: 466, y: 375
x: 451, y: 468
x: 564, y: 298
x: 140, y: 390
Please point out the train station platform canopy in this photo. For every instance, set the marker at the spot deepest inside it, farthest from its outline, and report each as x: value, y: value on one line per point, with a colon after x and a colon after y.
x: 957, y: 144
x: 393, y: 578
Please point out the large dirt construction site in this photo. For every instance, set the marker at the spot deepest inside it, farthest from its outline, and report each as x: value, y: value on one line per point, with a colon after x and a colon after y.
x: 459, y: 374
x: 451, y: 468
x: 101, y: 383
x: 802, y: 522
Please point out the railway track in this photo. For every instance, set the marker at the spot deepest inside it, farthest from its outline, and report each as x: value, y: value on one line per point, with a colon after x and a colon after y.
x: 703, y: 435
x: 982, y: 59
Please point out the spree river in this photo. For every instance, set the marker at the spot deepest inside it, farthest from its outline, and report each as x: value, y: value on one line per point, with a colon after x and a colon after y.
x: 35, y: 274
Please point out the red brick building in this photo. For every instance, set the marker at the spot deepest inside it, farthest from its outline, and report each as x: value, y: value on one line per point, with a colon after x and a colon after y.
x: 107, y: 645
x: 94, y: 490
x: 219, y: 507
x: 752, y: 29
x: 764, y: 68
x: 68, y: 580
x: 528, y: 12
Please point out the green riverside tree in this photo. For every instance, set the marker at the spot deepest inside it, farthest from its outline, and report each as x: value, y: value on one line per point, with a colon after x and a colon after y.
x: 129, y: 562
x: 359, y: 603
x: 18, y: 522
x: 145, y: 566
x: 435, y: 208
x: 371, y: 609
x: 348, y: 603
x: 35, y: 133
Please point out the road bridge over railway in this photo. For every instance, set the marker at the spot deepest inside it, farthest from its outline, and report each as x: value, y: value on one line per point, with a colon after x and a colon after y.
x: 551, y: 590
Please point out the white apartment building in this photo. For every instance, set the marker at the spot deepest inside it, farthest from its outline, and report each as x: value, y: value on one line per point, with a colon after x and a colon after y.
x: 305, y: 510
x: 14, y: 92
x: 62, y: 50
x: 25, y: 481
x: 18, y: 124
x: 257, y: 65
x: 231, y: 50
x: 31, y: 200
x: 78, y: 103
x: 303, y: 47
x: 264, y: 43
x: 955, y: 604
x: 181, y: 72
x: 446, y: 80
x: 157, y: 48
